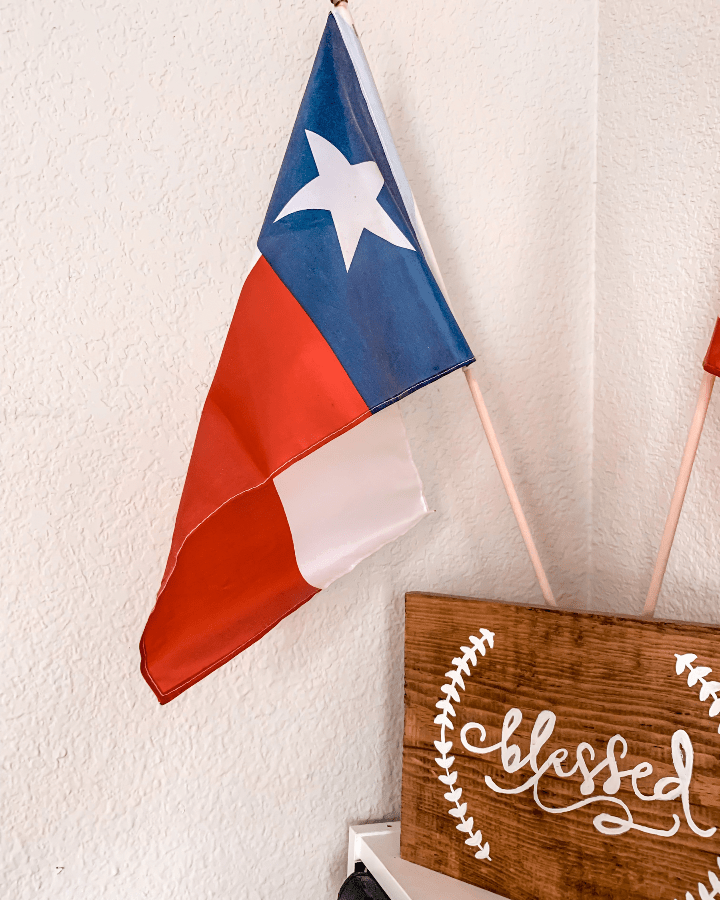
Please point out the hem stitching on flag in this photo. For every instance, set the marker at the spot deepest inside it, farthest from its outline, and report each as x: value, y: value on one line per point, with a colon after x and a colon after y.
x: 173, y: 692
x: 461, y: 365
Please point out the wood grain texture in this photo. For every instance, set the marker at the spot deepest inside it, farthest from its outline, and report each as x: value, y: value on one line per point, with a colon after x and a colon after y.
x: 601, y: 676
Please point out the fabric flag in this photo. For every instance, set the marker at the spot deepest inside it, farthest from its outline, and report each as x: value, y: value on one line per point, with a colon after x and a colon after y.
x: 301, y: 467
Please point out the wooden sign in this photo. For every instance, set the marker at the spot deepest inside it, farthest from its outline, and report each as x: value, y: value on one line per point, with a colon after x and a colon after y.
x: 556, y: 755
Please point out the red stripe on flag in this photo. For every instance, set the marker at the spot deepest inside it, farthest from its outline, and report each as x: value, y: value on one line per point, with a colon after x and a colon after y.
x: 234, y: 580
x: 279, y: 392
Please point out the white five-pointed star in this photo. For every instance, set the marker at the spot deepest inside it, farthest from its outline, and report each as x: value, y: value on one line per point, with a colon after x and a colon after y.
x: 349, y: 193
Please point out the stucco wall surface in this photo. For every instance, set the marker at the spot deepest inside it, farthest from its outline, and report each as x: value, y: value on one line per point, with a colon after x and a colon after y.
x: 658, y: 214
x: 139, y: 145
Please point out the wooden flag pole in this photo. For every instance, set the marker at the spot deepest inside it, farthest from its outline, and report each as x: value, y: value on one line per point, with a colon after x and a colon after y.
x: 711, y: 365
x: 480, y: 403
x: 490, y: 434
x: 509, y: 487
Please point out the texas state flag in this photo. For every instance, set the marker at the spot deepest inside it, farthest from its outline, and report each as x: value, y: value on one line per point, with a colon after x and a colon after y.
x: 301, y: 467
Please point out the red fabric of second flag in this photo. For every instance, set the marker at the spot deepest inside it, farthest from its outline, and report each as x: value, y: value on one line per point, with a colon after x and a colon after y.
x: 711, y: 363
x: 279, y: 392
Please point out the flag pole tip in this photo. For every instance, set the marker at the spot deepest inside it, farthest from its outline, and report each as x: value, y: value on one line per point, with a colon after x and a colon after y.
x: 711, y: 363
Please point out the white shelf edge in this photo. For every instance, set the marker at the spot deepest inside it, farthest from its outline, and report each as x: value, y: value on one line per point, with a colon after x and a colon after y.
x: 377, y: 846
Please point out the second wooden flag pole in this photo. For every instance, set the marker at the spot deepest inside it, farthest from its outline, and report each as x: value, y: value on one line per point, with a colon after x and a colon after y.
x: 711, y: 365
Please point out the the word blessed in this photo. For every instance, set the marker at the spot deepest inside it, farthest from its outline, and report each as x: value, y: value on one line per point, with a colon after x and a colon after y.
x: 665, y: 789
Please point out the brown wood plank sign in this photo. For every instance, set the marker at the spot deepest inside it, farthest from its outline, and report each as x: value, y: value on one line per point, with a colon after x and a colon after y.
x: 551, y: 754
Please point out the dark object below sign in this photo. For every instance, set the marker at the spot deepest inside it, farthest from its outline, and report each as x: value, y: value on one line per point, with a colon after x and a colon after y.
x: 551, y: 754
x: 361, y: 886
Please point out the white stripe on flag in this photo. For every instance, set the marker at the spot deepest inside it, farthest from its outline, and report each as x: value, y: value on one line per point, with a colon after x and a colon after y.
x: 351, y: 497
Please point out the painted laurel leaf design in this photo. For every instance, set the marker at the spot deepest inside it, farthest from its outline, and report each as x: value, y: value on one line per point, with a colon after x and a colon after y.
x: 709, y: 690
x: 461, y: 666
x: 683, y: 661
x: 703, y: 892
x: 710, y: 687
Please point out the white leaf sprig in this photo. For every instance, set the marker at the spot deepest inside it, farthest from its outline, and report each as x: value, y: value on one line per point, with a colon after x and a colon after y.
x: 698, y: 675
x: 703, y: 892
x: 461, y: 666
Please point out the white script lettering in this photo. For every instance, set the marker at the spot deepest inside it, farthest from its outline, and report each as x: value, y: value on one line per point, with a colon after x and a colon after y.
x: 665, y: 789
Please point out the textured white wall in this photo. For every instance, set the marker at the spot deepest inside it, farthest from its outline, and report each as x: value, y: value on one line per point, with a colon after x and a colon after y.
x: 139, y: 145
x: 658, y: 242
